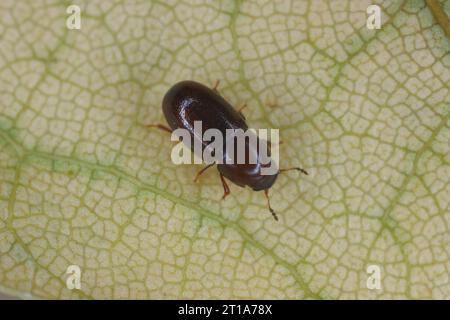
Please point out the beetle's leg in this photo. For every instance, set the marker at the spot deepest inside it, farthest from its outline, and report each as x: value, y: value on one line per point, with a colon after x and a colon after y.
x: 242, y: 108
x: 216, y: 85
x: 274, y: 215
x: 226, y: 189
x: 159, y: 126
x: 294, y: 168
x: 203, y: 170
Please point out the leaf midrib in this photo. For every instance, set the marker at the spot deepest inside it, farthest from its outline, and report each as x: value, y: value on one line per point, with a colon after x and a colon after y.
x: 26, y: 156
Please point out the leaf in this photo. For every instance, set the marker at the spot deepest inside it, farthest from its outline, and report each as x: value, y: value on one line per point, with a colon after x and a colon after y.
x: 83, y: 182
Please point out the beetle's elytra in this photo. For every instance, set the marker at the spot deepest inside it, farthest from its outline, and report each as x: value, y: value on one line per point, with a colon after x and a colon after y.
x: 190, y: 101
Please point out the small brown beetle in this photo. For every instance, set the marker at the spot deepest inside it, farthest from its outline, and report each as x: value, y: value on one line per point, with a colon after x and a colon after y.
x: 190, y: 101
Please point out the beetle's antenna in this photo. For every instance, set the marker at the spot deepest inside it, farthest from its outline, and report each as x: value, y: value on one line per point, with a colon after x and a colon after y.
x: 294, y: 168
x: 274, y: 215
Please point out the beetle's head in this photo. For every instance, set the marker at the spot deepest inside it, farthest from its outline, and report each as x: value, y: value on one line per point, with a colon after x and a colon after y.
x: 254, y: 170
x: 248, y: 175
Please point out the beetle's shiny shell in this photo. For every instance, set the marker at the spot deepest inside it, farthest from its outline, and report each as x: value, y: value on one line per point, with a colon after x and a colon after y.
x: 190, y: 101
